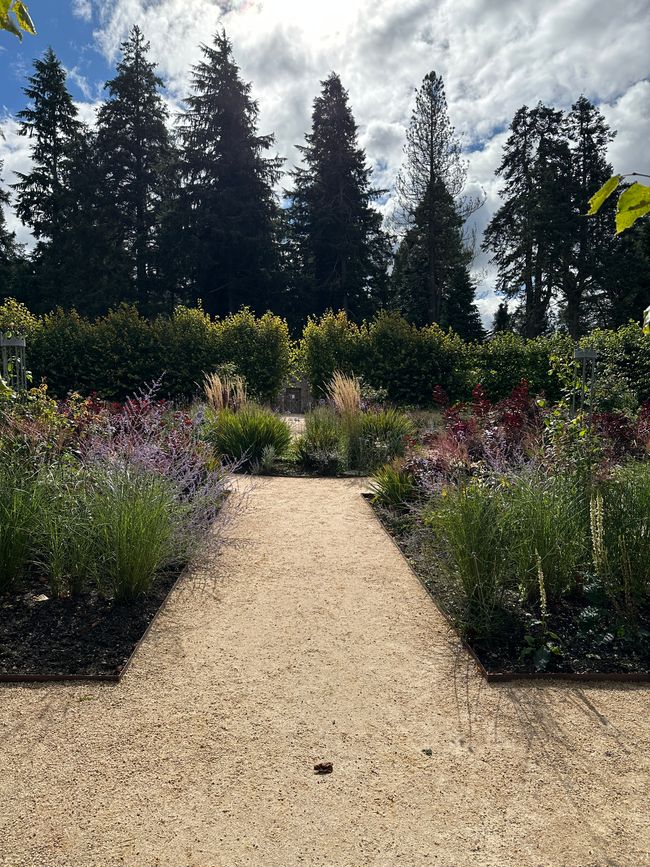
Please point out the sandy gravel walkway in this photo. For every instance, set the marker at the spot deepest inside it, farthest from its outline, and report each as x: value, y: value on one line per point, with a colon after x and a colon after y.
x: 308, y: 639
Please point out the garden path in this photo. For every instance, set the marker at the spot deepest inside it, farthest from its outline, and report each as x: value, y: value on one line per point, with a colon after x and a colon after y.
x: 307, y: 638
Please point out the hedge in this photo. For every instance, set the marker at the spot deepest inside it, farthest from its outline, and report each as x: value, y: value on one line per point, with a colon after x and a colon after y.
x: 117, y: 353
x: 408, y: 362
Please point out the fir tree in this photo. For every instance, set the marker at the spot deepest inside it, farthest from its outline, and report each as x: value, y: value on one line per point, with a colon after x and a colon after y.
x: 432, y: 176
x: 133, y: 146
x: 592, y: 245
x: 411, y: 277
x: 229, y: 182
x: 43, y: 197
x: 343, y: 251
x: 530, y: 234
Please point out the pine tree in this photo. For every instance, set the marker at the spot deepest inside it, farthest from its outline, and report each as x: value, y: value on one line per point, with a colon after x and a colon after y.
x: 410, y: 280
x: 228, y: 187
x: 432, y: 177
x: 43, y: 199
x: 343, y: 250
x: 592, y: 244
x: 134, y: 146
x: 530, y: 234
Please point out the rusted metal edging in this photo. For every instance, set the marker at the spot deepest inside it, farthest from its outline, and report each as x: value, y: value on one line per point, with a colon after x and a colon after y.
x: 509, y: 676
x: 114, y: 677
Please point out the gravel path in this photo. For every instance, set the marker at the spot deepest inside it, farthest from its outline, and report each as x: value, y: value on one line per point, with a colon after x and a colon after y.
x: 306, y: 639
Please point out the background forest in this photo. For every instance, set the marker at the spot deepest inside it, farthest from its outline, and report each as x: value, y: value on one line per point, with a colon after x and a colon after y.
x: 158, y: 211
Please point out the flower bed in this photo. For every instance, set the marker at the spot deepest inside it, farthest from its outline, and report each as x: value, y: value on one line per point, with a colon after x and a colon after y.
x: 101, y: 507
x: 532, y: 531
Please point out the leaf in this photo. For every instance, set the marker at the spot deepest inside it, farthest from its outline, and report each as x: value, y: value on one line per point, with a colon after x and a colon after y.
x: 22, y: 15
x: 599, y: 198
x: 7, y: 24
x: 633, y: 203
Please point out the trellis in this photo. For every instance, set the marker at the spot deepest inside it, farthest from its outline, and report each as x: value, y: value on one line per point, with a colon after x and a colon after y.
x: 13, y: 357
x: 584, y: 392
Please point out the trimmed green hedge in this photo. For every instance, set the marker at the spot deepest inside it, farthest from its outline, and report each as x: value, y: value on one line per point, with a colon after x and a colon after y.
x: 408, y: 362
x: 116, y: 354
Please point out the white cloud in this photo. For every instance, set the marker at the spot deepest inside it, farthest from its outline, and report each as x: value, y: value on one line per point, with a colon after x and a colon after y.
x: 494, y: 56
x: 82, y: 9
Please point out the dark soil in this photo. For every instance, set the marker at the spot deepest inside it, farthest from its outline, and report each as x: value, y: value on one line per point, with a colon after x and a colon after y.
x: 582, y: 635
x: 79, y: 636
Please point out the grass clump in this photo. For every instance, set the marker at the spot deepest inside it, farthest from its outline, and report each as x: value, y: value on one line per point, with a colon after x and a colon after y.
x: 245, y: 435
x: 224, y: 391
x: 392, y: 486
x: 18, y: 508
x: 133, y: 537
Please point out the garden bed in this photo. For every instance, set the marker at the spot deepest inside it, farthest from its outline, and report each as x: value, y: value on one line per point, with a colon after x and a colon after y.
x: 587, y: 655
x: 85, y: 637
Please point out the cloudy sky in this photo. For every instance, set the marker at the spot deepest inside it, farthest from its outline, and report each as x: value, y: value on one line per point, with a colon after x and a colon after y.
x: 495, y: 56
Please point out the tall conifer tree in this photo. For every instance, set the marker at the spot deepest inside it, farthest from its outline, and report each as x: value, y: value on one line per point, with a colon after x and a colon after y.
x: 43, y: 194
x: 134, y: 148
x: 411, y: 277
x: 428, y: 185
x: 592, y: 244
x: 338, y: 237
x: 229, y: 182
x: 530, y: 234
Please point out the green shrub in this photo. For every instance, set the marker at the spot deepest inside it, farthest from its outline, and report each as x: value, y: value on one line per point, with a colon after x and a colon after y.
x: 625, y: 361
x: 408, y: 361
x: 124, y: 342
x: 15, y: 318
x: 501, y: 363
x: 133, y: 531
x: 185, y: 347
x: 392, y: 486
x: 260, y: 349
x: 330, y: 344
x: 63, y: 354
x: 244, y: 435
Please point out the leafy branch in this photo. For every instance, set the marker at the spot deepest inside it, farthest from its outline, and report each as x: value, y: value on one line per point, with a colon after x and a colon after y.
x: 15, y: 18
x: 634, y: 202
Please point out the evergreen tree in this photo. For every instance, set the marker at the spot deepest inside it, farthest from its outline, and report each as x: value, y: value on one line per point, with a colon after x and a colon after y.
x: 592, y: 245
x: 43, y: 197
x: 431, y: 178
x: 502, y: 320
x: 628, y: 278
x: 410, y: 280
x: 11, y: 253
x: 134, y: 148
x: 230, y: 203
x: 342, y: 250
x: 530, y: 234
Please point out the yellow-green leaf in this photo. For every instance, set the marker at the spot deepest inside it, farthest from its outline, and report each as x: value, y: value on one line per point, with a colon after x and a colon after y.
x: 7, y: 24
x: 20, y: 11
x: 599, y: 198
x: 633, y: 203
